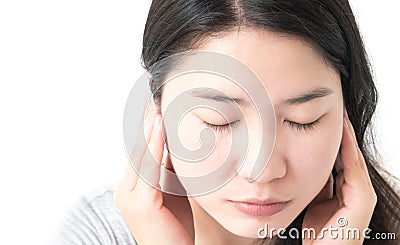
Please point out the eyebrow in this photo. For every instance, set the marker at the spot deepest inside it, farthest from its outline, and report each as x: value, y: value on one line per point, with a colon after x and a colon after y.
x: 309, y: 95
x: 212, y: 94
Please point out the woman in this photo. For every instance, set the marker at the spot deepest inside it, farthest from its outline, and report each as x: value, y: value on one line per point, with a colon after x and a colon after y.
x: 310, y: 57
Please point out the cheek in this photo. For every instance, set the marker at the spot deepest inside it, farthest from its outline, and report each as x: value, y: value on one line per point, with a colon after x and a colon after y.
x: 195, y: 149
x: 314, y: 155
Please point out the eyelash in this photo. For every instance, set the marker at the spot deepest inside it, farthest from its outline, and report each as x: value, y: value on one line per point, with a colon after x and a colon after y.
x: 305, y: 127
x: 221, y: 128
x: 299, y: 126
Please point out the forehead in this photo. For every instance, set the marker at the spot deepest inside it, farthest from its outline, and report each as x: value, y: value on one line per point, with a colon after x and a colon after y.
x: 286, y: 65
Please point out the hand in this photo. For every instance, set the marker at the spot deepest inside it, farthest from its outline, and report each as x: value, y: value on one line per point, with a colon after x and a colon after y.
x: 142, y: 206
x: 355, y: 197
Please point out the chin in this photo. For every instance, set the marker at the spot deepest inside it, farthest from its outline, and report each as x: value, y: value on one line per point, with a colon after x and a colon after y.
x: 249, y: 227
x: 256, y: 227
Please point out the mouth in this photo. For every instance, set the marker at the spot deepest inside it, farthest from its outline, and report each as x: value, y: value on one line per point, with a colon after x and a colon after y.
x: 257, y: 207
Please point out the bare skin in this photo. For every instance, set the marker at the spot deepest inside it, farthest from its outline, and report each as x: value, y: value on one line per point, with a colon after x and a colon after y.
x: 180, y: 220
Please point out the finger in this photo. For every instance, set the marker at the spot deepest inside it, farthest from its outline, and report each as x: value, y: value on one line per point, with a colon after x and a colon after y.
x: 126, y: 185
x: 171, y: 182
x: 147, y: 122
x: 150, y: 167
x: 145, y: 130
x: 360, y: 155
x: 350, y: 159
x: 150, y: 113
x: 338, y: 163
x: 129, y: 179
x: 338, y: 186
x: 143, y: 135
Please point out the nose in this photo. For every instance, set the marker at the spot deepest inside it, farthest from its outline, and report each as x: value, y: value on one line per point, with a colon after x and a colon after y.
x: 276, y: 165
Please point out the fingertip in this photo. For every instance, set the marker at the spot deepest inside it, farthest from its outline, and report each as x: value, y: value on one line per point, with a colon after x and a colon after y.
x: 345, y: 123
x: 346, y: 137
x: 349, y: 154
x: 156, y: 144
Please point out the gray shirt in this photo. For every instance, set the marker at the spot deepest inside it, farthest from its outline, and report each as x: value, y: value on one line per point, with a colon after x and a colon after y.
x: 94, y: 219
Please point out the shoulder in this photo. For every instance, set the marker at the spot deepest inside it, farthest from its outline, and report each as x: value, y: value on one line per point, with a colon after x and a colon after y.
x: 94, y: 219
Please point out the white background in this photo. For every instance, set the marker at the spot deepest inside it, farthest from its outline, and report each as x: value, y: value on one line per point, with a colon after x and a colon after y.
x: 66, y: 69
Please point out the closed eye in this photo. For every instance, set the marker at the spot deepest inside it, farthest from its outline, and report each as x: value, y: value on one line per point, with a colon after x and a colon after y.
x: 303, y: 126
x: 220, y: 128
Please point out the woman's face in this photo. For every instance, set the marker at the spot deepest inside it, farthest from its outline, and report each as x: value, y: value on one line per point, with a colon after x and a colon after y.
x: 302, y: 158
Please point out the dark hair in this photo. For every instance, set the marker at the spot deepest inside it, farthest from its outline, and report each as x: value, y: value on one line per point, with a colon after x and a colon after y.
x: 175, y: 26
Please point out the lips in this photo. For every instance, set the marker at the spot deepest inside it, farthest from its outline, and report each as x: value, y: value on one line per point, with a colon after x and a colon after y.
x: 257, y: 207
